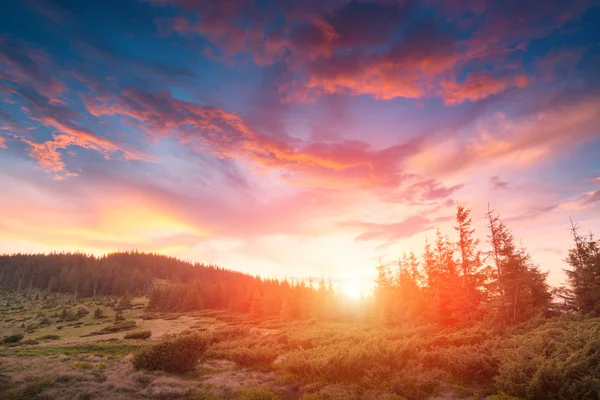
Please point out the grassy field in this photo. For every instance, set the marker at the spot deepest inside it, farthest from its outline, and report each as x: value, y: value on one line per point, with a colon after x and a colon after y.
x: 69, y: 350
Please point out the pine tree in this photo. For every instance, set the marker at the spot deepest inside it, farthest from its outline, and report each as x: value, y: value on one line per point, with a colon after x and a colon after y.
x: 470, y: 262
x: 192, y: 300
x: 495, y: 240
x: 384, y: 287
x: 256, y: 306
x: 584, y: 277
x: 523, y: 288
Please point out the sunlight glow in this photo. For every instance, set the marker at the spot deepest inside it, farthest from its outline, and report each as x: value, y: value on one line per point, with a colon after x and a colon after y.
x: 353, y: 291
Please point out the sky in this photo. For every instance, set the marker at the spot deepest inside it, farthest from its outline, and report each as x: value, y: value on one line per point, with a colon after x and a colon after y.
x: 296, y: 138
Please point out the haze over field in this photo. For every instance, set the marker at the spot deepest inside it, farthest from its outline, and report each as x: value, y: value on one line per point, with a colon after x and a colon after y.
x: 296, y: 138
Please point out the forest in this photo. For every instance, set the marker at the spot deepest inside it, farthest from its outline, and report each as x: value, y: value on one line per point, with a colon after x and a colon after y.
x: 454, y: 282
x: 462, y: 320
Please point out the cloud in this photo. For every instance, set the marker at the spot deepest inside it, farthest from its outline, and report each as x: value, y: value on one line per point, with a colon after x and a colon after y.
x: 2, y: 142
x: 498, y: 184
x: 534, y: 212
x: 24, y: 66
x: 42, y: 97
x: 593, y: 197
x: 340, y: 164
x: 479, y: 86
x: 421, y: 192
x: 383, y: 49
x: 513, y: 143
x: 390, y: 232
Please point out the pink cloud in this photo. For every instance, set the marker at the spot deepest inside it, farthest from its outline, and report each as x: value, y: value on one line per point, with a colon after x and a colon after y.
x: 32, y: 74
x: 513, y: 143
x: 478, y: 86
x: 343, y: 163
x: 30, y: 67
x: 392, y: 231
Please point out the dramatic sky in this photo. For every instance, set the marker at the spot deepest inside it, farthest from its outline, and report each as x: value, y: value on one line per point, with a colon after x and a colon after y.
x: 296, y: 137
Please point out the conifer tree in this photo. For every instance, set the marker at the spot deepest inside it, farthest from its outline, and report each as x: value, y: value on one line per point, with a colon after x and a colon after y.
x: 470, y: 257
x: 584, y: 275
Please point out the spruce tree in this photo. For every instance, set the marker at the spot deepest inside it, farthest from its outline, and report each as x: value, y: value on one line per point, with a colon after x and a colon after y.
x: 584, y: 275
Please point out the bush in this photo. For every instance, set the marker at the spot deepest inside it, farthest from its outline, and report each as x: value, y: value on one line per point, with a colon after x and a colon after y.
x: 554, y: 361
x: 114, y: 328
x: 49, y: 337
x: 81, y: 312
x: 174, y: 356
x: 142, y: 335
x: 98, y: 314
x: 256, y: 356
x: 124, y: 303
x: 13, y: 338
x: 418, y: 384
x: 259, y: 393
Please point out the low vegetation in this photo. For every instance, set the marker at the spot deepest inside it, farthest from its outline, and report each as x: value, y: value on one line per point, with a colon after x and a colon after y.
x: 120, y: 326
x: 458, y: 322
x: 139, y: 335
x: 179, y: 355
x: 13, y: 338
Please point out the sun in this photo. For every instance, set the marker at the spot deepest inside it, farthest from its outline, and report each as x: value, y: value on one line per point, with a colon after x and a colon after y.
x: 352, y: 290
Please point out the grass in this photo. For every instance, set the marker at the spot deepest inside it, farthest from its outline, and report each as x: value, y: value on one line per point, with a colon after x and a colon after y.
x: 112, y: 349
x: 310, y: 360
x: 139, y: 335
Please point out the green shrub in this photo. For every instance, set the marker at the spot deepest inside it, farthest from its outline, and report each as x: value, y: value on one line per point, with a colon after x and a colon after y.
x: 417, y: 384
x: 251, y: 357
x: 98, y: 314
x: 35, y: 386
x: 259, y: 393
x: 465, y: 363
x: 82, y: 312
x: 174, y: 356
x: 49, y: 337
x: 558, y: 360
x: 123, y: 304
x: 141, y: 335
x: 13, y: 338
x: 121, y: 326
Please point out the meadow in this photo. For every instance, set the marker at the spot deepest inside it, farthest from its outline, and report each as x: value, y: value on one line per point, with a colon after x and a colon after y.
x: 57, y: 348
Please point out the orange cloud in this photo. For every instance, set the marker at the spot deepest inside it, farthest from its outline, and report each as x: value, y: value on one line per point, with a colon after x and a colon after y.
x: 478, y: 86
x: 227, y: 135
x: 2, y: 142
x: 50, y: 159
x: 370, y: 48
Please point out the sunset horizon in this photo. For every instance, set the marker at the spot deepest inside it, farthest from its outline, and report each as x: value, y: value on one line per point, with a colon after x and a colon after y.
x: 300, y: 199
x: 306, y: 139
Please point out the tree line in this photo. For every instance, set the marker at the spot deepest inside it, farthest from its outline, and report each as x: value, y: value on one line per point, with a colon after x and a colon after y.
x: 457, y: 283
x: 454, y: 282
x: 85, y: 275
